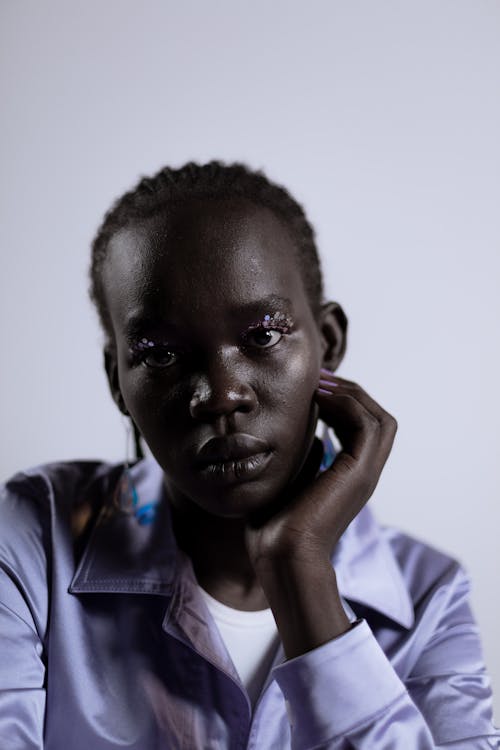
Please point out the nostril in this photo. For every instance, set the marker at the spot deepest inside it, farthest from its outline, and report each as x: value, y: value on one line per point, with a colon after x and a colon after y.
x: 211, y: 401
x: 202, y: 394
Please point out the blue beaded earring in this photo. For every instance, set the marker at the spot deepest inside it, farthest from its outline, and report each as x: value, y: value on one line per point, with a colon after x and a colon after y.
x: 126, y: 496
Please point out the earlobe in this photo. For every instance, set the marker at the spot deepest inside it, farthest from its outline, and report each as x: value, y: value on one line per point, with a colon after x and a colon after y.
x: 111, y: 367
x: 333, y: 329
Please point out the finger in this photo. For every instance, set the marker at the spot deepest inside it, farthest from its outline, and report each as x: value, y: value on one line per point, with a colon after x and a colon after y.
x: 330, y: 383
x: 354, y: 405
x: 365, y: 430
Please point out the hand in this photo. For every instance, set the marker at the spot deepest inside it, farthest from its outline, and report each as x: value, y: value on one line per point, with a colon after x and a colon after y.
x: 290, y: 548
x: 307, y: 526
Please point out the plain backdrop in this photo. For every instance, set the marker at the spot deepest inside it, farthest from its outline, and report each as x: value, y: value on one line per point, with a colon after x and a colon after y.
x: 383, y: 118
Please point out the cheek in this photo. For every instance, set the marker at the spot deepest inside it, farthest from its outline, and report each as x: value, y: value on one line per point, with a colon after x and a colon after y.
x: 303, y: 366
x: 292, y: 389
x: 149, y: 398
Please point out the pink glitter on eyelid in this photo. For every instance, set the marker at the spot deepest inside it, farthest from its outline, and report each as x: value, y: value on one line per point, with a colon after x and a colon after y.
x: 143, y: 345
x: 279, y: 321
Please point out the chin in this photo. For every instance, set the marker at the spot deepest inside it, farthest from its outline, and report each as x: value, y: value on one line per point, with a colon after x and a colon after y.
x: 241, y: 501
x: 237, y: 500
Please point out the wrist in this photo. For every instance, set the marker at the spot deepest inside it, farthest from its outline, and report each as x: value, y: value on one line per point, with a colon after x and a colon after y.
x: 305, y: 601
x: 292, y: 557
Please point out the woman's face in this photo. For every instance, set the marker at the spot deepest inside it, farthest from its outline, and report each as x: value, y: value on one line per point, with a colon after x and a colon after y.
x: 217, y: 351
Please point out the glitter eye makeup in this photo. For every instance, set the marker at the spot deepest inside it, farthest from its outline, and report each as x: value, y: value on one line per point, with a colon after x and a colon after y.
x: 152, y: 353
x: 278, y: 321
x: 268, y: 331
x: 262, y: 334
x: 143, y: 345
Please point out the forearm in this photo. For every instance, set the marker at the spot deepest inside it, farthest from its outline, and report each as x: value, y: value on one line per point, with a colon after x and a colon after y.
x: 348, y: 691
x: 305, y: 601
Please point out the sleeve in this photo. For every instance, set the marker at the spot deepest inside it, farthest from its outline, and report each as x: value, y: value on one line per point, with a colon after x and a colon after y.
x: 22, y: 673
x: 23, y: 605
x: 346, y: 693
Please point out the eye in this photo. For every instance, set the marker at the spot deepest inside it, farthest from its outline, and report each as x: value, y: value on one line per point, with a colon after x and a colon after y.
x: 158, y: 357
x: 263, y: 338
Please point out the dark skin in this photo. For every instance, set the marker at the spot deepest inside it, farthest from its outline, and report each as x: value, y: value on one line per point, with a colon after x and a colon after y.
x: 195, y: 288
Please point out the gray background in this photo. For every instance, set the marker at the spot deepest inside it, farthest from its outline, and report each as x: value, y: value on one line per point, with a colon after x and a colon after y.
x: 382, y: 117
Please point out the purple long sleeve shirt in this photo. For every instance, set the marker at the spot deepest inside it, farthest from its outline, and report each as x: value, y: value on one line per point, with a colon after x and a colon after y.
x: 106, y: 642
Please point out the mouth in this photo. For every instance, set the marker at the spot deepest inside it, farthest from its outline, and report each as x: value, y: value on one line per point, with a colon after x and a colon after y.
x: 234, y: 458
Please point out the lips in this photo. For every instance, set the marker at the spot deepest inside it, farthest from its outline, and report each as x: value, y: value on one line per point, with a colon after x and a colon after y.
x: 230, y: 448
x: 234, y: 458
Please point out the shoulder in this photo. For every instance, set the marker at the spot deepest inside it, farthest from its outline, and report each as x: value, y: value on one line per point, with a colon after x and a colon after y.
x: 56, y: 477
x: 44, y: 511
x: 65, y: 483
x: 424, y: 567
x: 33, y: 502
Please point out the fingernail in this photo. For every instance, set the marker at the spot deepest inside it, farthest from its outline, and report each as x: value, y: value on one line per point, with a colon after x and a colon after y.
x: 322, y: 390
x: 328, y: 382
x: 325, y: 369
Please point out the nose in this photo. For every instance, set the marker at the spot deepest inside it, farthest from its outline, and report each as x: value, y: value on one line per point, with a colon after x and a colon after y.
x: 222, y: 389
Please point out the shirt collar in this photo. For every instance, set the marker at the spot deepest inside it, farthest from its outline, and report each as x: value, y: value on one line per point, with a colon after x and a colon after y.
x: 368, y: 573
x: 132, y: 550
x: 132, y: 547
x: 366, y: 569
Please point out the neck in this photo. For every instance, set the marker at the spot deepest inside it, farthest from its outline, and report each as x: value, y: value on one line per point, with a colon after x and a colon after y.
x: 216, y: 547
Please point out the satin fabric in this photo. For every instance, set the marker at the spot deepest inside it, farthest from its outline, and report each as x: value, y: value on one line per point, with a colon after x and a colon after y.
x: 107, y: 644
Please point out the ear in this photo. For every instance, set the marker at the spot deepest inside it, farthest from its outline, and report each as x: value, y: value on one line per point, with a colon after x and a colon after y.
x: 333, y: 331
x: 111, y: 367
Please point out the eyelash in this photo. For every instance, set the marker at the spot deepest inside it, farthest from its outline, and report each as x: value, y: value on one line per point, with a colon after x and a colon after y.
x: 143, y: 348
x: 278, y: 323
x: 264, y: 329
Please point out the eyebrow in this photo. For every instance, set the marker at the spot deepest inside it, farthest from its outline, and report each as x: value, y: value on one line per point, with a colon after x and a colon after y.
x: 138, y: 325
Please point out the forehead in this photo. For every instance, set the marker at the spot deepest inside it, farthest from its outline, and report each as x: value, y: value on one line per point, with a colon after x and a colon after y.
x: 202, y: 254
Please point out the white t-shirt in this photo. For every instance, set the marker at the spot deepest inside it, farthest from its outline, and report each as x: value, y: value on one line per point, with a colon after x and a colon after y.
x: 251, y: 639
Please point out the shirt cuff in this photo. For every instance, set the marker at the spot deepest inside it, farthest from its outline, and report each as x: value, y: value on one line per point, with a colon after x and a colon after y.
x: 334, y: 688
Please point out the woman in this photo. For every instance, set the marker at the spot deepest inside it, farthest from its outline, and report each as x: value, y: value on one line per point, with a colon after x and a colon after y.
x: 233, y: 590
